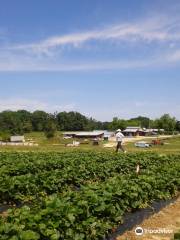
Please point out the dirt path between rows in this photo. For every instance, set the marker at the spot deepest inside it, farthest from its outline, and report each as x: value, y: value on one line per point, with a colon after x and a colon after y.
x: 167, y: 220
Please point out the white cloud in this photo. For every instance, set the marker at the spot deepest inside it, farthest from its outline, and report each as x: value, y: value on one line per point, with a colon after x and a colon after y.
x: 31, y: 105
x: 40, y: 66
x: 16, y: 63
x: 125, y: 110
x: 155, y: 29
x: 45, y: 55
x: 174, y: 56
x: 130, y: 109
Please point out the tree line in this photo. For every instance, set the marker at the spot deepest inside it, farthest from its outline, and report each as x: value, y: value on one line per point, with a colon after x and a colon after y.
x: 22, y: 121
x: 166, y: 122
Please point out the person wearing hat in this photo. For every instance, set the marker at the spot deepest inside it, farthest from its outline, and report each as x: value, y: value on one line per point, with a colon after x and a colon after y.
x: 119, y: 139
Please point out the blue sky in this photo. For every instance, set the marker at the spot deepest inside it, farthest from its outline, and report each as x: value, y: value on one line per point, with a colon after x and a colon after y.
x: 102, y: 58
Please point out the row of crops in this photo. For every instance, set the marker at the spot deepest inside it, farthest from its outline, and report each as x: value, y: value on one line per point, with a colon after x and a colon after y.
x: 79, y: 196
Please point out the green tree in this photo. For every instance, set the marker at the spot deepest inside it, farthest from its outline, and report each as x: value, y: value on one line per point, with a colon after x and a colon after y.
x: 105, y: 125
x: 71, y: 121
x: 166, y: 122
x: 144, y: 122
x: 5, y: 136
x: 178, y: 126
x: 117, y: 123
x: 50, y: 128
x: 11, y: 122
x: 39, y: 120
x: 26, y: 120
x: 93, y: 124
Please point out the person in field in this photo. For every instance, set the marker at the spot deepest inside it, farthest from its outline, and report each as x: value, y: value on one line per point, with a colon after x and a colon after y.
x: 119, y: 140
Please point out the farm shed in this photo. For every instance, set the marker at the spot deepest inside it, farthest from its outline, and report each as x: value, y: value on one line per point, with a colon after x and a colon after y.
x: 69, y: 134
x: 138, y: 131
x: 146, y: 132
x: 151, y: 131
x: 93, y: 134
x: 132, y: 131
x: 88, y: 134
x: 107, y: 134
x: 17, y: 139
x: 157, y: 130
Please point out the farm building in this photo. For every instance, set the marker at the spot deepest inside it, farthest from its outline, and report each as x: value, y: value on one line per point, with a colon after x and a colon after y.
x: 93, y: 134
x: 157, y: 130
x: 146, y: 132
x: 69, y: 134
x: 17, y: 139
x: 107, y: 134
x: 138, y: 131
x: 132, y: 131
x: 151, y: 131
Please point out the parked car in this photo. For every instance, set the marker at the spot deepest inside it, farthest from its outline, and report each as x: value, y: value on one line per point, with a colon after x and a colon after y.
x: 142, y: 144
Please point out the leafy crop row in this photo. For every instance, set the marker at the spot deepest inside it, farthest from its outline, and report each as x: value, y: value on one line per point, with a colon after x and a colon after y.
x: 80, y: 195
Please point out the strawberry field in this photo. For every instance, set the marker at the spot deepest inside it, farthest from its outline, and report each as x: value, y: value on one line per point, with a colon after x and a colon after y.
x: 79, y: 195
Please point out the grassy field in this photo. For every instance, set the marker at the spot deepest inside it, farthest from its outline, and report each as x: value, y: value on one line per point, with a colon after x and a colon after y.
x: 171, y: 145
x: 55, y: 144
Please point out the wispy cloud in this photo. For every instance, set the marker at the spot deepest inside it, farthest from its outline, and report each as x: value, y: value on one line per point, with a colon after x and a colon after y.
x: 81, y: 66
x: 173, y: 56
x: 45, y: 56
x: 31, y: 105
x: 130, y: 109
x: 148, y: 30
x: 31, y: 64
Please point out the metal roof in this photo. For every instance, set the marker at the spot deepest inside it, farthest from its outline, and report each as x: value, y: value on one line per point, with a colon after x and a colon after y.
x: 131, y: 130
x: 89, y: 133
